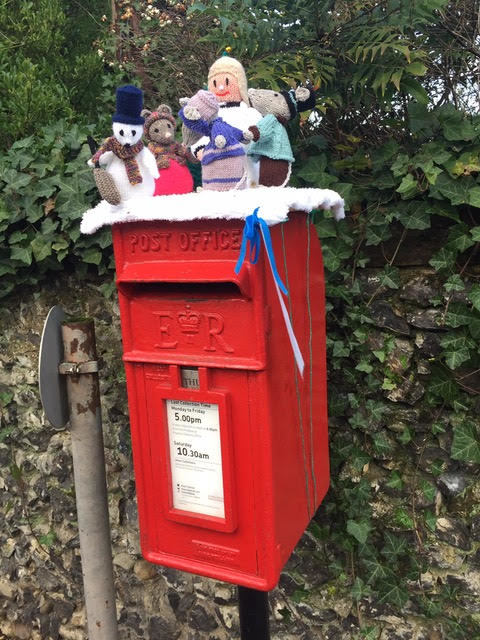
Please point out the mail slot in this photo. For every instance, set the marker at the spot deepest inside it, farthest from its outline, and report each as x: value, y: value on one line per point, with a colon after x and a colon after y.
x: 229, y: 439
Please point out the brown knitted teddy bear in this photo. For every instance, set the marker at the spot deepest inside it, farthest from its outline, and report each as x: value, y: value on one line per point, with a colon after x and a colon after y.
x: 171, y: 156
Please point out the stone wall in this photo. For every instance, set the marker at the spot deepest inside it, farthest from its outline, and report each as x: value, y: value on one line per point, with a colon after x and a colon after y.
x: 40, y: 572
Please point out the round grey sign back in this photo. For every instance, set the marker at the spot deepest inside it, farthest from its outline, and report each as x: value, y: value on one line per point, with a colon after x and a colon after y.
x: 53, y: 389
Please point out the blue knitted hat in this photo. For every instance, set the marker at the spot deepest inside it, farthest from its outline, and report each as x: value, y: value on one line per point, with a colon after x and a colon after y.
x: 129, y: 105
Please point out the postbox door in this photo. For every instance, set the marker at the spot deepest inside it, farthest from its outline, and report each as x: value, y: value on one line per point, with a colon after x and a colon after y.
x: 198, y: 494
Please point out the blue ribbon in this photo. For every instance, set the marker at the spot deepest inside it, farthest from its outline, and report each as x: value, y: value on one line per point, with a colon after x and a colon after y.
x: 253, y: 229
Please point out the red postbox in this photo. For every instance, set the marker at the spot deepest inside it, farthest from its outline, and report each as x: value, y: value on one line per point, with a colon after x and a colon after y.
x: 229, y: 440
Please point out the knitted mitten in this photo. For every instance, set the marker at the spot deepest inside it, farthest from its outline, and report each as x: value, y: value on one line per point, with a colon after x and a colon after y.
x: 106, y: 186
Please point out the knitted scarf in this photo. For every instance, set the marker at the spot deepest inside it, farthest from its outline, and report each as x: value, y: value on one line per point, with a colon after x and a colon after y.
x: 127, y: 154
x: 174, y: 151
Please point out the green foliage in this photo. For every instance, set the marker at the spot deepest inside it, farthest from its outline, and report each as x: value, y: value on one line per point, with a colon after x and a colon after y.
x: 45, y: 186
x: 49, y: 68
x: 425, y: 182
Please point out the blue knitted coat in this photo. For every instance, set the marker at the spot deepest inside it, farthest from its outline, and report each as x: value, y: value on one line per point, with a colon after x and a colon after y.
x: 212, y: 129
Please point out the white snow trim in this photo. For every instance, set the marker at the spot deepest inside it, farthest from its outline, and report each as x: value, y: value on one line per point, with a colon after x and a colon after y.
x: 274, y: 203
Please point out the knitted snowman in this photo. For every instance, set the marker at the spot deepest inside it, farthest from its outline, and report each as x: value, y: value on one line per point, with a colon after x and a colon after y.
x: 223, y: 158
x: 171, y: 156
x: 131, y: 167
x: 228, y: 83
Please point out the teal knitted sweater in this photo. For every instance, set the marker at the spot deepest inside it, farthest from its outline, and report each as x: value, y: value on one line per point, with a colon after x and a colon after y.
x: 273, y: 142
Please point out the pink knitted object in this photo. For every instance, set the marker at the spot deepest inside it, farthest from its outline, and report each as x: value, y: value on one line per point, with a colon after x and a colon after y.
x: 174, y: 180
x: 232, y: 168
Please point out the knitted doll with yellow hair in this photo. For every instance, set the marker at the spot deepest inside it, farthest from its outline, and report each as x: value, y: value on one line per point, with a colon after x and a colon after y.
x: 228, y: 83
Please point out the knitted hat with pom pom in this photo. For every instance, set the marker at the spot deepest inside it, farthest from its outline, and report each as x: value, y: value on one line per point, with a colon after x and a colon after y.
x: 226, y: 64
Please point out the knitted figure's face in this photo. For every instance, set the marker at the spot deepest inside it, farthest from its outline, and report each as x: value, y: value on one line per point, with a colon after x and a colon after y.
x: 225, y: 87
x: 127, y: 133
x: 161, y: 131
x: 268, y: 101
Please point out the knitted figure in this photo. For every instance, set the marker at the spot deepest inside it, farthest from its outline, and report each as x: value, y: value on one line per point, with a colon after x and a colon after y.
x: 171, y: 156
x: 271, y: 145
x: 228, y: 82
x: 223, y: 158
x: 131, y: 166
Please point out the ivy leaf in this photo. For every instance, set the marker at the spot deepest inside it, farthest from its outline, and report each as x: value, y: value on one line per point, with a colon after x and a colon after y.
x: 401, y: 164
x: 360, y: 589
x: 364, y: 366
x: 454, y: 341
x: 393, y: 593
x: 459, y: 238
x: 375, y: 410
x: 430, y: 520
x: 16, y: 181
x: 432, y: 173
x: 429, y: 490
x: 405, y: 437
x: 436, y: 150
x: 385, y: 181
x: 454, y: 129
x: 466, y: 442
x: 382, y: 445
x: 455, y: 283
x: 443, y: 259
x: 326, y: 228
x: 457, y: 191
x: 334, y: 254
x: 390, y: 277
x: 455, y: 358
x: 359, y: 530
x: 342, y: 188
x: 340, y: 350
x: 41, y: 248
x: 395, y: 481
x: 92, y: 256
x: 375, y: 234
x: 394, y: 546
x: 196, y: 6
x: 474, y: 296
x: 315, y: 166
x: 403, y: 519
x: 458, y: 315
x: 475, y: 231
x: 474, y: 197
x: 442, y: 385
x: 22, y: 254
x: 474, y: 326
x: 415, y: 217
x: 408, y: 187
x: 376, y: 570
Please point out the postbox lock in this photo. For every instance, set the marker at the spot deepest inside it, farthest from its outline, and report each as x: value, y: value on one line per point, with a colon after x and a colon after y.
x: 77, y: 368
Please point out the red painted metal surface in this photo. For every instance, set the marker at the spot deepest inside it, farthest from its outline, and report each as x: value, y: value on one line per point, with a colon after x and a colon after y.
x: 182, y: 305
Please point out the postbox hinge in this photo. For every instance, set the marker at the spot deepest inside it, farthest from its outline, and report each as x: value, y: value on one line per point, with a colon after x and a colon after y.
x: 77, y: 368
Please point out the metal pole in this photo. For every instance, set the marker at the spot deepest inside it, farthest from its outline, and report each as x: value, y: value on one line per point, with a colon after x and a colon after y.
x: 253, y: 609
x: 89, y: 472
